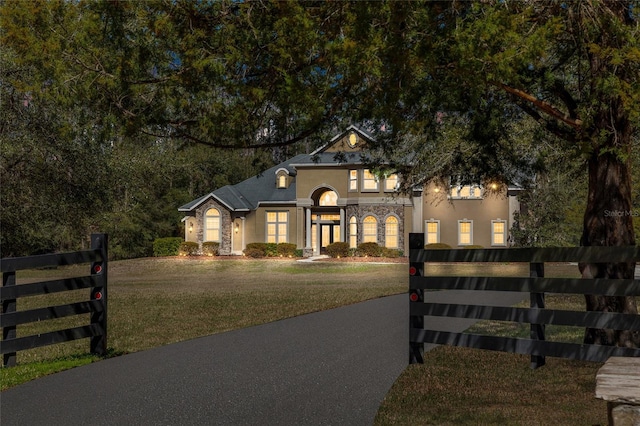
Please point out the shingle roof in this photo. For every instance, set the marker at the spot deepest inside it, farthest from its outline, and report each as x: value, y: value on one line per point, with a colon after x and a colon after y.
x: 248, y: 194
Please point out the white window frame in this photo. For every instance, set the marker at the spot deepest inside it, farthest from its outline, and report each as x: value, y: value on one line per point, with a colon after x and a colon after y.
x: 391, y: 179
x: 211, y: 231
x: 277, y: 236
x: 353, y: 180
x: 353, y: 232
x: 426, y: 231
x: 369, y: 237
x: 503, y: 234
x: 474, y: 191
x: 388, y: 227
x: 470, y: 242
x: 368, y: 178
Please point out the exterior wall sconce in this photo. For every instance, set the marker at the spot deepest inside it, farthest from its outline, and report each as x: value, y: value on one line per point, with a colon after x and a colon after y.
x: 190, y: 227
x: 237, y: 228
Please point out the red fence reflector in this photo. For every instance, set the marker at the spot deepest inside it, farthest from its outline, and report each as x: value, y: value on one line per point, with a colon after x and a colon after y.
x: 412, y: 270
x: 414, y: 297
x: 98, y: 295
x: 97, y: 269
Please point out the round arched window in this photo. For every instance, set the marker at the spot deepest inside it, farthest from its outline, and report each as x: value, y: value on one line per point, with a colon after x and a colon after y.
x: 328, y: 198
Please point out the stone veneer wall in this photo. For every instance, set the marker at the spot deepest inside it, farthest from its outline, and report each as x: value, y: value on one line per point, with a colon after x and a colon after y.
x: 225, y: 226
x: 380, y: 212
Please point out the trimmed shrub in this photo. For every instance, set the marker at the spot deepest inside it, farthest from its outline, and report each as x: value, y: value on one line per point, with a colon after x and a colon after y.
x: 256, y: 250
x: 286, y: 249
x: 271, y: 250
x: 166, y: 246
x: 188, y: 248
x: 370, y: 249
x: 389, y: 252
x: 338, y: 249
x: 210, y: 248
x: 298, y: 253
x: 253, y: 252
x: 473, y: 246
x: 437, y: 246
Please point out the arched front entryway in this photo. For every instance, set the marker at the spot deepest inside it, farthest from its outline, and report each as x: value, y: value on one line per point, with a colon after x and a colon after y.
x: 325, y: 220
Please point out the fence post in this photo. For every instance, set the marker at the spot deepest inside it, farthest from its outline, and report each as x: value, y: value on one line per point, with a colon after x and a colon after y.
x: 99, y: 292
x: 536, y: 270
x: 9, y: 306
x: 416, y: 295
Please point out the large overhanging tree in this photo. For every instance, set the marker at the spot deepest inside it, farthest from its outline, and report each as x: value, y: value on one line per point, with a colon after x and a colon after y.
x: 573, y: 67
x: 454, y: 83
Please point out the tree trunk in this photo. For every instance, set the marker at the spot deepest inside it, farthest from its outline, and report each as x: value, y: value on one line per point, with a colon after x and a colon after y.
x: 608, y: 222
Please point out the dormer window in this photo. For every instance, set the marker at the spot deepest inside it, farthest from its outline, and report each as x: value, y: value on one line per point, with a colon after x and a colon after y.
x: 282, y: 179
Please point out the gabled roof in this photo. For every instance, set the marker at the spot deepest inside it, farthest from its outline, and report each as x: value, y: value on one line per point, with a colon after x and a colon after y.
x: 249, y: 194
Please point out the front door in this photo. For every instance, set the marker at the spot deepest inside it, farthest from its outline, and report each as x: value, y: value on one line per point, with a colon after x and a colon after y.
x: 329, y: 233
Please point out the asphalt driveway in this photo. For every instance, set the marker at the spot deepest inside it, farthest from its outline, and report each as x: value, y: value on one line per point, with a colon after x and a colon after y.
x: 330, y: 368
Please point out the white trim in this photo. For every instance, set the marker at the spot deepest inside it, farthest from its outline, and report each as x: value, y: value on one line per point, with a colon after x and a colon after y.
x: 504, y: 233
x: 465, y: 220
x: 426, y: 230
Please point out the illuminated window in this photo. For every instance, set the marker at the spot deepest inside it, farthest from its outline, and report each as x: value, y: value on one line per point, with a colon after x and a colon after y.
x: 391, y: 232
x: 353, y: 180
x: 433, y: 232
x: 370, y: 230
x: 353, y: 232
x: 328, y: 198
x: 465, y: 232
x: 353, y: 139
x: 212, y: 225
x: 391, y: 182
x: 369, y: 181
x: 498, y: 232
x: 277, y: 226
x: 473, y: 192
x: 282, y: 181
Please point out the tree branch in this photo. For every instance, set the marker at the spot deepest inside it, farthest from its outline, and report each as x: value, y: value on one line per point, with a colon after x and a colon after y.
x: 543, y: 106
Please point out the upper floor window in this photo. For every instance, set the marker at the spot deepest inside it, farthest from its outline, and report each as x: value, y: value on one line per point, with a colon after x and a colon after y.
x: 353, y: 180
x: 391, y: 182
x: 369, y: 181
x: 212, y: 225
x: 282, y: 176
x: 465, y: 192
x: 328, y: 198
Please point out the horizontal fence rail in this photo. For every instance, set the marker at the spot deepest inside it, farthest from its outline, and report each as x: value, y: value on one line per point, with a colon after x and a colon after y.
x: 96, y: 306
x: 536, y: 285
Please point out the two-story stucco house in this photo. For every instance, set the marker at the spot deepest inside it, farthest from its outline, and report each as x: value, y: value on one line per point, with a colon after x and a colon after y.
x: 313, y: 200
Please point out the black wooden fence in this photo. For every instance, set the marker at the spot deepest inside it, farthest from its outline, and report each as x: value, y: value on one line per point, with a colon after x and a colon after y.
x: 536, y: 285
x: 96, y: 281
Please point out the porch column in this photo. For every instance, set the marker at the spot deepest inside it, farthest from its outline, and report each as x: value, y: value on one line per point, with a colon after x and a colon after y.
x: 343, y: 227
x: 308, y: 227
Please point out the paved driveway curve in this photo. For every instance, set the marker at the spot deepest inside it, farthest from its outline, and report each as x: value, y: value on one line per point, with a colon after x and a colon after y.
x: 330, y: 368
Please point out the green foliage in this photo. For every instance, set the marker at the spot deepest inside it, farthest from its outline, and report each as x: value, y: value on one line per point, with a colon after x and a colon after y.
x: 369, y: 249
x: 338, y: 249
x: 210, y: 248
x: 286, y: 249
x: 189, y: 248
x: 391, y: 253
x: 298, y: 253
x: 168, y: 246
x: 437, y: 246
x: 472, y: 247
x: 255, y: 250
